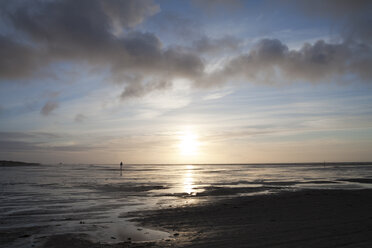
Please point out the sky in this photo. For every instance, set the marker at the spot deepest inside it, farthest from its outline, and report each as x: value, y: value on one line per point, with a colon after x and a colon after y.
x: 199, y: 81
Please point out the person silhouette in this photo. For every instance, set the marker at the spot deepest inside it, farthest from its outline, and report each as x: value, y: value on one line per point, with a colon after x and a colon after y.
x: 121, y: 168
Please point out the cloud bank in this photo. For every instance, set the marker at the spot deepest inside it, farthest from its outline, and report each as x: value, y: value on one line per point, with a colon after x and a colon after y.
x: 104, y: 34
x: 99, y: 33
x: 270, y: 61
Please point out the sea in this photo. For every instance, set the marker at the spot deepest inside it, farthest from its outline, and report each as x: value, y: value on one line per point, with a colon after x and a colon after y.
x: 96, y: 200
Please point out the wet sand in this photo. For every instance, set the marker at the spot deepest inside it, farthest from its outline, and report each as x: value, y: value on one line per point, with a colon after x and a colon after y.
x: 307, y: 218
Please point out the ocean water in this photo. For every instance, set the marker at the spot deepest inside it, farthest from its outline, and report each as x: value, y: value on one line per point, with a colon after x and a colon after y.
x: 38, y: 201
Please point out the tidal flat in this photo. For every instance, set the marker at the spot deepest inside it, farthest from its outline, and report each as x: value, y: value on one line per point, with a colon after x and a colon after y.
x: 276, y: 205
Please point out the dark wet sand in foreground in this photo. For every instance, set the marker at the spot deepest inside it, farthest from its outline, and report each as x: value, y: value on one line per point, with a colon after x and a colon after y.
x: 310, y: 218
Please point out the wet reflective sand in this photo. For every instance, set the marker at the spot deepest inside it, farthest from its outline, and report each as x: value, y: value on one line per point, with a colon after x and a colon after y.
x: 38, y: 201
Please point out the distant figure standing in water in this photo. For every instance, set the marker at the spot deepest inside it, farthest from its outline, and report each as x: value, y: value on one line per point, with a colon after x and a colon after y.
x: 121, y: 166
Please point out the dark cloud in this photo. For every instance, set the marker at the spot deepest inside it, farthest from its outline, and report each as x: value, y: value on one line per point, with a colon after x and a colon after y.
x: 102, y: 34
x: 17, y: 60
x: 95, y: 32
x: 144, y: 55
x: 138, y: 90
x: 270, y: 61
x: 49, y: 107
x: 69, y: 30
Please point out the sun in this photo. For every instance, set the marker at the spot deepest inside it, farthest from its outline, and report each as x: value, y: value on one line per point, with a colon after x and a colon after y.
x: 188, y: 143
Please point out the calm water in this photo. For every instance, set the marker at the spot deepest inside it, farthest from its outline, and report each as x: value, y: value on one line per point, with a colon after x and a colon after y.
x: 37, y: 201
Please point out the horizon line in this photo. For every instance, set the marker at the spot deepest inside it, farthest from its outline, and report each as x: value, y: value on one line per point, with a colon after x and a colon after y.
x: 269, y: 163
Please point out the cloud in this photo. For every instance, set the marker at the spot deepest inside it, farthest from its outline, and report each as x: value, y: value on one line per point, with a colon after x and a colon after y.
x: 24, y: 141
x: 18, y: 60
x: 144, y: 56
x: 139, y: 90
x: 103, y: 34
x: 129, y: 13
x: 217, y: 95
x: 26, y: 146
x: 52, y: 94
x: 174, y: 27
x: 80, y: 118
x: 68, y: 30
x: 270, y: 61
x: 49, y: 107
x: 43, y: 142
x: 54, y: 31
x: 17, y: 136
x: 86, y: 31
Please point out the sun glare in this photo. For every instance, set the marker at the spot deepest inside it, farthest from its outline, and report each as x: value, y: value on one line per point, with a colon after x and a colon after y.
x: 188, y: 143
x: 188, y: 179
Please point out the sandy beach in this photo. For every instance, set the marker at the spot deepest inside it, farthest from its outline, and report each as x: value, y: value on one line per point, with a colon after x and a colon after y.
x: 307, y: 218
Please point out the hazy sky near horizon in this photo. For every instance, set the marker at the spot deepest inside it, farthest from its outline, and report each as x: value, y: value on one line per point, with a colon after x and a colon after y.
x: 161, y: 81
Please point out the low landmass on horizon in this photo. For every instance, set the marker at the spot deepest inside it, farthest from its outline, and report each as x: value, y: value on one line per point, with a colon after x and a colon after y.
x: 16, y: 163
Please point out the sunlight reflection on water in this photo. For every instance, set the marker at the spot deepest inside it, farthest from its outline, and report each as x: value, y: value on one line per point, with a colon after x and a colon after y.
x: 188, y: 179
